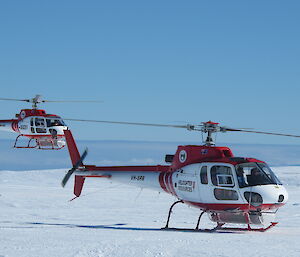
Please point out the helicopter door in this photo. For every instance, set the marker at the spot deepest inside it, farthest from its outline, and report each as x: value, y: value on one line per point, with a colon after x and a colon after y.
x: 185, y: 183
x: 224, y: 187
x: 40, y: 125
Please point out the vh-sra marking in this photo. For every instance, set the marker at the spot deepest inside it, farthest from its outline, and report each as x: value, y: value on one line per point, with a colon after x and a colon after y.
x: 138, y: 178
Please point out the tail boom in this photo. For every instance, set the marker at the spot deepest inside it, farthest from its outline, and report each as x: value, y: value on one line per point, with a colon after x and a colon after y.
x: 141, y: 176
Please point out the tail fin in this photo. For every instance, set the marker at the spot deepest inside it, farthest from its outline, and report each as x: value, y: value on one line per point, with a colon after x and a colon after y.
x: 78, y: 185
x: 72, y: 147
x: 75, y: 158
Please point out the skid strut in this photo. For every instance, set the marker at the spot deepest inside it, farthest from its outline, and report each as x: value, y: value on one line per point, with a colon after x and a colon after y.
x: 197, y: 227
x: 170, y: 211
x: 28, y: 144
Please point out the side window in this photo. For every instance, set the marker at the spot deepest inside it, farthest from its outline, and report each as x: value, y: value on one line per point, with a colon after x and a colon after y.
x: 225, y: 194
x: 221, y: 176
x: 203, y: 175
x: 31, y: 124
x: 40, y: 125
x: 41, y: 130
x: 39, y: 122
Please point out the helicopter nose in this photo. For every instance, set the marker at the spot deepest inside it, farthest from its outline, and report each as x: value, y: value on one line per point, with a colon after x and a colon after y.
x: 283, y: 196
x: 278, y: 196
x: 266, y: 195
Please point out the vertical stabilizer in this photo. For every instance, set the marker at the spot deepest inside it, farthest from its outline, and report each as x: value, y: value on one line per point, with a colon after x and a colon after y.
x: 73, y: 150
x: 78, y: 185
x: 76, y: 161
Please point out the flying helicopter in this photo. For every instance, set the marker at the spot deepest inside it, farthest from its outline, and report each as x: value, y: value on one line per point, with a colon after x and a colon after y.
x: 230, y: 189
x: 43, y: 131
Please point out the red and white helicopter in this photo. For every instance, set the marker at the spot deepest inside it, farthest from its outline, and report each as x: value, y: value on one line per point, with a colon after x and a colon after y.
x: 43, y: 131
x: 229, y: 189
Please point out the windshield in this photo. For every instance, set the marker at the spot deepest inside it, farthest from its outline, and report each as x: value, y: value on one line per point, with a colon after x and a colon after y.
x: 54, y: 122
x: 253, y: 174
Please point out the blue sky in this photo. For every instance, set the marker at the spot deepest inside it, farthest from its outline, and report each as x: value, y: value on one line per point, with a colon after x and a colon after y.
x: 233, y: 62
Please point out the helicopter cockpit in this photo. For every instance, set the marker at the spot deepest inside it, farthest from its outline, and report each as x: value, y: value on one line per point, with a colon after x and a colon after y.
x: 254, y: 174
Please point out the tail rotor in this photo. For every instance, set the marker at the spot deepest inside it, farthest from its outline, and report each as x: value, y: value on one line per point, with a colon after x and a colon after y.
x: 74, y: 168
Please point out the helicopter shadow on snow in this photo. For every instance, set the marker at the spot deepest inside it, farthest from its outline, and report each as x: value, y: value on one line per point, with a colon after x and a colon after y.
x: 118, y: 226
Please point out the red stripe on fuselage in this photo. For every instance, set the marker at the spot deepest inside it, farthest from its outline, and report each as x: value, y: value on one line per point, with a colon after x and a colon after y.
x: 42, y: 135
x: 156, y: 168
x: 161, y: 182
x: 167, y: 180
x: 171, y: 184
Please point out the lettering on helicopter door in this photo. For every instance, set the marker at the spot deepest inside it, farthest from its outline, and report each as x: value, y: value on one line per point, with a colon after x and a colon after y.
x: 23, y: 127
x: 186, y: 185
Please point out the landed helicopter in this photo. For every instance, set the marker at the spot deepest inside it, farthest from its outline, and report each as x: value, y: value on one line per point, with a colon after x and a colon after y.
x: 43, y: 131
x: 231, y: 190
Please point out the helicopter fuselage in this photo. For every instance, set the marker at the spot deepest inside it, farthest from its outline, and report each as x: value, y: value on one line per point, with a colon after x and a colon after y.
x: 206, y: 177
x: 45, y: 129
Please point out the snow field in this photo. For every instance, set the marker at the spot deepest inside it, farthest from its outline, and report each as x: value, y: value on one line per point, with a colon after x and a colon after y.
x: 37, y: 219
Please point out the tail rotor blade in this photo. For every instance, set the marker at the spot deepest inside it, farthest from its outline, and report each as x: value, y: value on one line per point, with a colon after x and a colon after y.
x: 75, y: 167
x: 67, y: 177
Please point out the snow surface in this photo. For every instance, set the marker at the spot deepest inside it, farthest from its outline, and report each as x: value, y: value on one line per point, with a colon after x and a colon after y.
x: 37, y: 219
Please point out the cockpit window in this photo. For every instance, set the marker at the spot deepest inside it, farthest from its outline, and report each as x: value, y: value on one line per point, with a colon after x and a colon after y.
x: 54, y: 122
x: 253, y: 174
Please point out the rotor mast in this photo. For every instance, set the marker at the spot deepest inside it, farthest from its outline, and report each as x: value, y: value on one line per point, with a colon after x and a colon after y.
x: 210, y: 127
x: 35, y: 101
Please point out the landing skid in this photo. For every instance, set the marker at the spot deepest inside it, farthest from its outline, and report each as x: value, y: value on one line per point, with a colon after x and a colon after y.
x: 38, y: 144
x: 249, y: 228
x: 221, y: 229
x: 26, y: 146
x: 195, y: 230
x: 219, y: 226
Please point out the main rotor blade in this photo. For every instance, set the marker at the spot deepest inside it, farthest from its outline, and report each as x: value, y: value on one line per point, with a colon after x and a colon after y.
x: 12, y: 99
x: 75, y: 167
x: 70, y: 101
x: 188, y: 126
x: 261, y: 132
